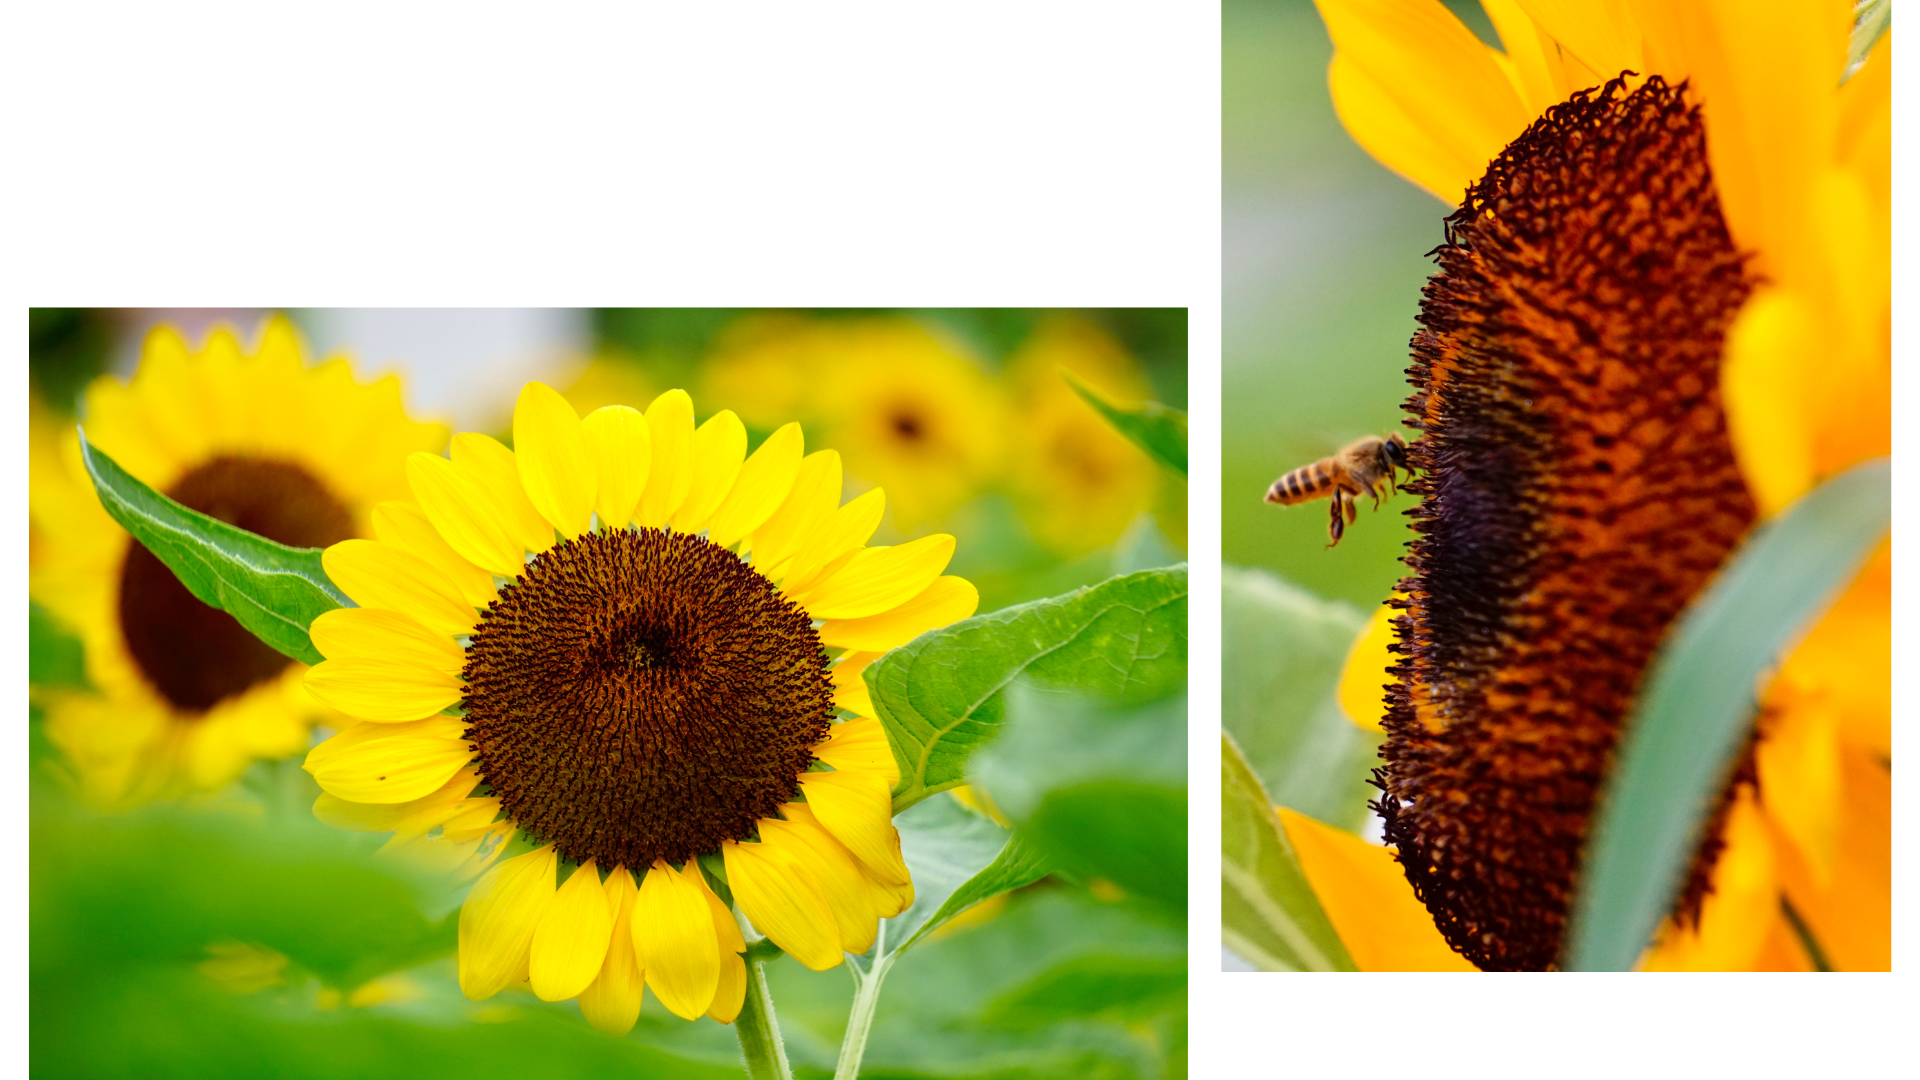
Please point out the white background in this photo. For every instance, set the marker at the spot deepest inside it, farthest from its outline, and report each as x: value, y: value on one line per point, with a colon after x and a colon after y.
x: 911, y: 154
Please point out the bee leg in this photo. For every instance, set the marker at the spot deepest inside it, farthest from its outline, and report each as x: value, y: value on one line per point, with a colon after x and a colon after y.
x: 1353, y: 508
x: 1335, y: 527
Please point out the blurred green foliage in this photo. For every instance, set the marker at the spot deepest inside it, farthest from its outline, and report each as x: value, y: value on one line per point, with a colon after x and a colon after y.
x: 65, y: 348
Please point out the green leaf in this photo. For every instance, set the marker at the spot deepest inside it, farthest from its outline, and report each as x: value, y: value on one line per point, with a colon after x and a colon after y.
x: 1696, y: 710
x: 1269, y: 914
x: 1121, y: 989
x: 958, y: 858
x: 54, y: 656
x: 273, y: 590
x: 942, y: 695
x: 1870, y: 20
x: 1282, y: 652
x: 1102, y: 791
x: 1153, y: 427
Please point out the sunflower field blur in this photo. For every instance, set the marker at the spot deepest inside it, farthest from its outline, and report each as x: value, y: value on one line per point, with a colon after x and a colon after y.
x: 190, y: 914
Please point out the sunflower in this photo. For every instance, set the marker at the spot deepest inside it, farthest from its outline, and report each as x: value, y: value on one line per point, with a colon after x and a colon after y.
x: 1078, y: 482
x: 648, y: 646
x: 911, y: 412
x: 907, y: 407
x: 184, y: 697
x: 1667, y: 211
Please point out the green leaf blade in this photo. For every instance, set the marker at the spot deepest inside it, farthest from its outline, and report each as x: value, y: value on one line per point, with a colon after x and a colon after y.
x: 1696, y: 708
x: 273, y: 590
x: 958, y: 858
x: 1159, y: 430
x: 1269, y: 913
x: 943, y: 695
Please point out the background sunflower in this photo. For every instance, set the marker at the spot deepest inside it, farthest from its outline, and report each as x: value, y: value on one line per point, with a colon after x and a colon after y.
x: 243, y: 933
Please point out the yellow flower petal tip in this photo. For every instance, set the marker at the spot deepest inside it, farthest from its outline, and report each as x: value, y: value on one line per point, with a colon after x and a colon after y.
x: 1368, y: 900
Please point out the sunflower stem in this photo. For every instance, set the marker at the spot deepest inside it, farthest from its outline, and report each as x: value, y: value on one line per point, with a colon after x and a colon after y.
x: 866, y: 996
x: 759, y: 1030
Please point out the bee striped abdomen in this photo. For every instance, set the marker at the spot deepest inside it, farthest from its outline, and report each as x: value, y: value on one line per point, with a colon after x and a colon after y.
x: 1303, y: 484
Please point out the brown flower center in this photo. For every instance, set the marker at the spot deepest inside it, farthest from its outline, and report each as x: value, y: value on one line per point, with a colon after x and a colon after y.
x: 644, y: 695
x: 1578, y: 488
x: 197, y: 656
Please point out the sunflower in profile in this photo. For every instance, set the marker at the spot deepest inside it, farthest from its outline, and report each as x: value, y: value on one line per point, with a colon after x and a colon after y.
x: 183, y: 698
x: 643, y: 648
x: 1667, y: 212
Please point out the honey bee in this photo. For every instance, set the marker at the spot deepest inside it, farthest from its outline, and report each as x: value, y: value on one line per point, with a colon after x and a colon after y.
x: 1362, y: 467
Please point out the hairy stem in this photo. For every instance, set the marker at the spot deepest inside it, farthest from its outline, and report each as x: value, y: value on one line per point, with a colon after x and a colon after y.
x: 866, y: 996
x: 759, y: 1030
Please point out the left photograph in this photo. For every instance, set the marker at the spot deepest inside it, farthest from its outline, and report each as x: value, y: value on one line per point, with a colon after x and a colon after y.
x: 598, y: 692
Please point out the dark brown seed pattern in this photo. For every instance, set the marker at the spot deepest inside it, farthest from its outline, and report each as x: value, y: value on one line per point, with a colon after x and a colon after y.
x: 643, y: 695
x: 1578, y: 488
x: 198, y: 656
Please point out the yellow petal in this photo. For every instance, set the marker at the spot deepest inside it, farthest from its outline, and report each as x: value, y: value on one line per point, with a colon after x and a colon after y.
x: 857, y: 809
x: 719, y: 448
x: 493, y: 468
x: 783, y: 903
x: 946, y: 601
x: 622, y: 452
x: 860, y: 745
x: 377, y: 817
x: 670, y: 423
x: 1762, y: 384
x: 379, y: 575
x: 726, y: 929
x: 463, y: 514
x: 1603, y: 34
x: 834, y: 872
x: 887, y: 898
x: 1846, y: 661
x: 375, y: 633
x: 843, y: 532
x: 550, y: 450
x: 612, y: 1003
x: 382, y: 690
x: 849, y: 688
x: 673, y: 936
x: 878, y: 579
x: 498, y: 921
x: 1799, y: 763
x: 1363, y: 681
x: 570, y: 945
x: 1851, y: 918
x: 390, y: 763
x: 815, y: 495
x: 733, y: 989
x: 1767, y: 77
x: 1738, y: 915
x: 765, y: 481
x: 405, y: 527
x: 1538, y: 73
x: 1368, y: 900
x: 1407, y: 68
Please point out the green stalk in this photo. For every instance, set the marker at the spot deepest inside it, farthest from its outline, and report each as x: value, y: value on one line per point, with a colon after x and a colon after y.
x: 759, y: 1030
x: 866, y: 996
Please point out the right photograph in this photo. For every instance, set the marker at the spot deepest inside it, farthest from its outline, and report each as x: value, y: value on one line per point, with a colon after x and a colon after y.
x: 1556, y: 457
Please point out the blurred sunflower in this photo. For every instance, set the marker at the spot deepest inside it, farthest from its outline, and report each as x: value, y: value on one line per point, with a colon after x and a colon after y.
x: 1613, y: 384
x: 767, y: 368
x: 649, y: 647
x: 184, y: 697
x: 910, y: 413
x: 1077, y: 481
